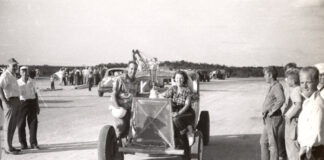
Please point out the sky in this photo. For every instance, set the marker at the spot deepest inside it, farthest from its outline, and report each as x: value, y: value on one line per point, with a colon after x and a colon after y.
x: 229, y: 32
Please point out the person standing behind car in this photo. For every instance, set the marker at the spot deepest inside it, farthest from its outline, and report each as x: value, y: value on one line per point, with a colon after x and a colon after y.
x: 28, y: 111
x: 272, y: 116
x: 9, y: 94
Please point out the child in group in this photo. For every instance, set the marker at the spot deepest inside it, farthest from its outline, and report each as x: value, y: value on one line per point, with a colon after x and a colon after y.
x: 293, y: 109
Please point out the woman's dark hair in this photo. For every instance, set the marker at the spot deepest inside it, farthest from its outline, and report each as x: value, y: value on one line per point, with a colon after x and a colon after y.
x: 185, y: 77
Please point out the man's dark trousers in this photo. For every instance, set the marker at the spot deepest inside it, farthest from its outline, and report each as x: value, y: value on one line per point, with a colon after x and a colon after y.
x: 28, y: 112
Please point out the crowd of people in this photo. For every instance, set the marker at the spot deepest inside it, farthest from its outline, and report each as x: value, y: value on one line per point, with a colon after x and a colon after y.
x: 20, y: 106
x: 78, y: 76
x: 293, y: 111
x: 293, y: 115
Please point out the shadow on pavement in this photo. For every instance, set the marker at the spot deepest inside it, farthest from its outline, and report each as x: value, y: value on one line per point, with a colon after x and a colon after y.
x: 45, y: 148
x: 216, y: 90
x: 227, y: 147
x: 233, y: 147
x: 56, y: 101
x: 78, y: 96
x: 224, y: 147
x: 55, y: 107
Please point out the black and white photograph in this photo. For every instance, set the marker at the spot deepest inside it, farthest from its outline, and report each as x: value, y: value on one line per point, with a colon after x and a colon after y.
x: 162, y: 80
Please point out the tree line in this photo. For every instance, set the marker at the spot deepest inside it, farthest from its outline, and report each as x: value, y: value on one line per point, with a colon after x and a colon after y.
x: 249, y: 71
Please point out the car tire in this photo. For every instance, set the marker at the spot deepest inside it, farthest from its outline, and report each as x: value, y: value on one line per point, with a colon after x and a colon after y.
x: 204, y: 126
x: 108, y: 145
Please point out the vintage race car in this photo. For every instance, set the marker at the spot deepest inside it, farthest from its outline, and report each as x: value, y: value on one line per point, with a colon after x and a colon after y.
x: 152, y: 129
x: 106, y: 84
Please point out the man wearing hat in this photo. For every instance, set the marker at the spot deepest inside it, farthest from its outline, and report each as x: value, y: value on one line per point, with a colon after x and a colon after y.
x: 9, y: 94
x: 320, y: 67
x: 28, y: 110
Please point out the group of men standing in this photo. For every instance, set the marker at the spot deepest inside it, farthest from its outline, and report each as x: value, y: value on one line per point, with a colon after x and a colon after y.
x: 293, y: 116
x: 79, y: 76
x: 20, y: 105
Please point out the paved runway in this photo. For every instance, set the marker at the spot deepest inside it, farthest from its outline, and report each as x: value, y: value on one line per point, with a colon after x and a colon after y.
x: 70, y: 121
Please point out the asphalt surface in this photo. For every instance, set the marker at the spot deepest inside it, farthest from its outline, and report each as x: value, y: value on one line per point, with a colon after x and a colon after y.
x: 70, y: 121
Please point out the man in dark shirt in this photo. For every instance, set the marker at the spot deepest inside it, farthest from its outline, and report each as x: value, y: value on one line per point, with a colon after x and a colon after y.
x: 272, y: 116
x: 125, y: 88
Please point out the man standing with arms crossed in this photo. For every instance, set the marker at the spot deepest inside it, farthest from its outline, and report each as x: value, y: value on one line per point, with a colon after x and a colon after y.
x: 272, y: 116
x: 9, y: 94
x: 28, y: 110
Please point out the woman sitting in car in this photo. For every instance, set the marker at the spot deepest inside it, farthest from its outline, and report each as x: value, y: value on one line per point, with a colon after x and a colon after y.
x: 183, y: 114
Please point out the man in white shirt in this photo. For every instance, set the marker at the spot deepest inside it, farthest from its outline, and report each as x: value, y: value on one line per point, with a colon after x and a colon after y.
x: 311, y: 119
x: 9, y: 94
x: 85, y: 74
x: 29, y: 109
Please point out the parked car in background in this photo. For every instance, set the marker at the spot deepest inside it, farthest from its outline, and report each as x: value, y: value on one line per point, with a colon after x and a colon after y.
x: 219, y: 74
x: 106, y: 84
x: 204, y: 76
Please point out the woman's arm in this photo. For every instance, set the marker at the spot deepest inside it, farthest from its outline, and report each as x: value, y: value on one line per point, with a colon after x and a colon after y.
x: 186, y: 106
x: 167, y: 94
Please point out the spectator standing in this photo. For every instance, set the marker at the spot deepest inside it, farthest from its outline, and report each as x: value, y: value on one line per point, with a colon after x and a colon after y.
x: 102, y: 72
x: 311, y: 118
x: 291, y: 116
x: 9, y: 94
x: 90, y: 79
x: 281, y: 142
x: 64, y: 76
x: 85, y: 74
x: 52, y: 79
x: 71, y: 77
x: 272, y: 116
x: 95, y: 76
x: 28, y: 111
x: 77, y: 77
